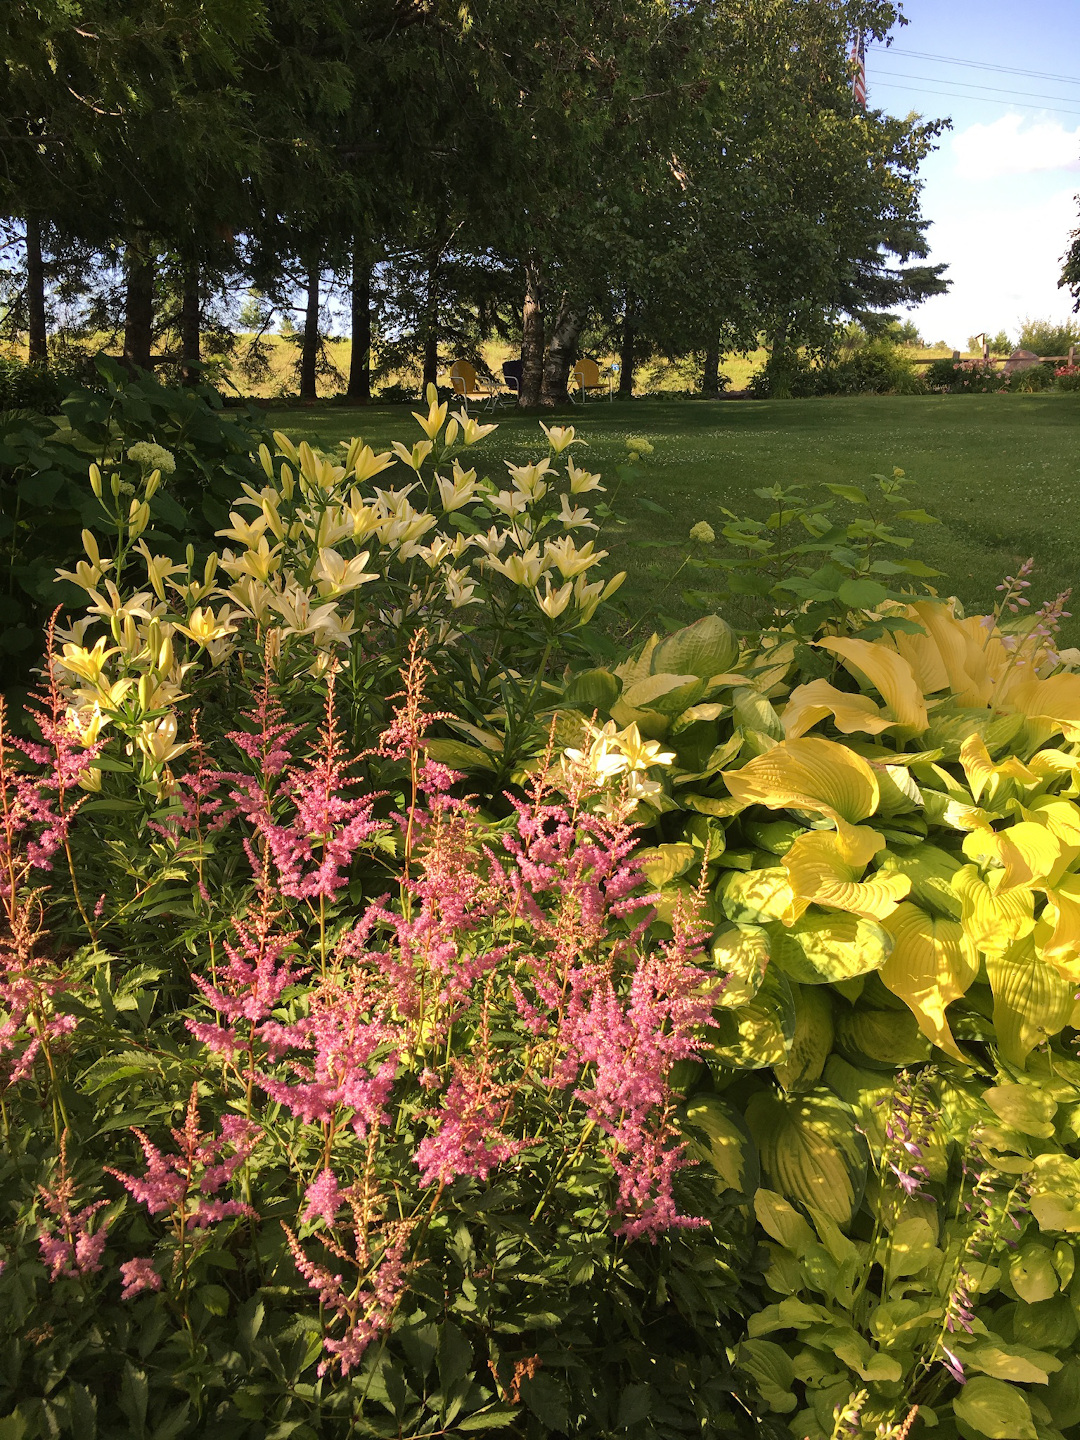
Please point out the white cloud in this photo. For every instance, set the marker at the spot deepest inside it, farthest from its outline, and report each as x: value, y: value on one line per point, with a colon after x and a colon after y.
x: 1013, y: 145
x: 1004, y: 257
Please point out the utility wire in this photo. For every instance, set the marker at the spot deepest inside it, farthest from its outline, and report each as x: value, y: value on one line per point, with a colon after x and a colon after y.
x: 875, y: 82
x: 972, y: 85
x: 977, y: 64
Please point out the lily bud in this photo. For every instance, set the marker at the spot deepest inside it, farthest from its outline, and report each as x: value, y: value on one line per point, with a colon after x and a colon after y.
x: 153, y: 484
x: 95, y: 480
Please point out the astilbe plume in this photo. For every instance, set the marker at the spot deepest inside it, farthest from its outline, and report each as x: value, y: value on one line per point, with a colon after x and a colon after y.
x: 311, y: 850
x: 68, y: 1246
x: 184, y: 1184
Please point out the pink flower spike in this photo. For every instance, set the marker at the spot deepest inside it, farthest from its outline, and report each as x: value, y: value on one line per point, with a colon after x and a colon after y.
x: 138, y: 1275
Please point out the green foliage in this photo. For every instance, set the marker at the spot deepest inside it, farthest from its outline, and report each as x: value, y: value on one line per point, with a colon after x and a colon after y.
x: 1049, y: 337
x: 41, y: 387
x: 876, y: 367
x: 965, y: 377
x: 807, y: 566
x: 1033, y: 381
x: 46, y: 503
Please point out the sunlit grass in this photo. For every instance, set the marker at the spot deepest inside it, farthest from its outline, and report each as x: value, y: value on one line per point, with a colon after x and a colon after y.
x: 1002, y: 472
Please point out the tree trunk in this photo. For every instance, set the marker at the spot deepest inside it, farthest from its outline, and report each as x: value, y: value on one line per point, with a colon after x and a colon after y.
x: 560, y: 354
x: 710, y: 379
x: 626, y: 353
x: 359, y: 390
x: 139, y: 304
x: 532, y: 340
x: 309, y: 353
x: 35, y: 292
x: 431, y: 328
x: 190, y: 325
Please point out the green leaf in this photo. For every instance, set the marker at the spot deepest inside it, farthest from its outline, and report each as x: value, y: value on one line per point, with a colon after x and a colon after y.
x: 822, y: 948
x: 459, y: 756
x: 662, y: 863
x: 812, y: 1041
x: 995, y: 1409
x: 848, y: 492
x: 593, y: 690
x: 134, y: 1393
x: 742, y: 953
x: 759, y: 1033
x: 723, y: 1143
x: 772, y: 1371
x: 547, y: 1399
x: 877, y: 1038
x: 1032, y: 1273
x: 810, y: 1150
x: 917, y: 517
x: 497, y: 1418
x: 1025, y: 1107
x: 862, y: 594
x: 668, y: 694
x: 635, y: 1405
x: 706, y: 648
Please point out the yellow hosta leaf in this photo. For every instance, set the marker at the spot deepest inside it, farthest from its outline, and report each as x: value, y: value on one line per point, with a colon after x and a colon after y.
x: 813, y: 702
x: 992, y: 920
x: 754, y: 897
x: 1062, y: 949
x: 1032, y: 1000
x: 889, y: 673
x: 741, y: 954
x: 960, y: 651
x: 821, y: 949
x: 824, y: 868
x: 808, y: 774
x: 985, y: 778
x: 929, y: 967
x: 1027, y: 851
x: 1054, y: 701
x: 924, y: 658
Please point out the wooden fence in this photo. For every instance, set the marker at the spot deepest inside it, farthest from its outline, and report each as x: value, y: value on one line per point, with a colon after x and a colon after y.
x: 1069, y: 359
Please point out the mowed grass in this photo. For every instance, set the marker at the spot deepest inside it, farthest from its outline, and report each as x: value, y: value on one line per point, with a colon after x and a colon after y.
x: 1001, y: 472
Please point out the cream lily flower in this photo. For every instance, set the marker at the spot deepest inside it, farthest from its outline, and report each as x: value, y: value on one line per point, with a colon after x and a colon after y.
x: 112, y: 607
x: 244, y: 532
x: 576, y: 519
x: 86, y: 723
x: 509, y: 502
x: 365, y: 518
x: 415, y: 457
x: 337, y: 576
x: 491, y: 543
x: 367, y: 464
x: 581, y: 480
x: 85, y: 575
x: 254, y: 597
x: 204, y: 626
x: 157, y: 740
x: 588, y: 597
x: 554, y: 602
x: 301, y: 618
x: 472, y: 430
x: 641, y: 754
x: 523, y: 569
x: 570, y: 560
x: 260, y: 561
x: 87, y: 664
x: 335, y: 524
x: 159, y: 568
x: 458, y: 491
x: 435, y: 419
x: 460, y: 589
x: 561, y: 437
x: 529, y: 479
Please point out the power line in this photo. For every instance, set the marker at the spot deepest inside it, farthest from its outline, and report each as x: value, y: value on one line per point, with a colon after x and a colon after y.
x: 972, y: 85
x: 978, y: 64
x: 974, y: 99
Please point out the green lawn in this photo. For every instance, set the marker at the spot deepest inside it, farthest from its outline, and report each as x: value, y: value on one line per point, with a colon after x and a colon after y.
x: 1002, y: 472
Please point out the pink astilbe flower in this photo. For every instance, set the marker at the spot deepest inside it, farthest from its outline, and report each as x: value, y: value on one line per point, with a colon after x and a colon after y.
x: 182, y: 1184
x: 312, y: 850
x: 138, y: 1275
x: 365, y: 1306
x: 322, y: 1199
x: 259, y: 970
x: 347, y: 1042
x: 68, y: 1246
x: 470, y: 1139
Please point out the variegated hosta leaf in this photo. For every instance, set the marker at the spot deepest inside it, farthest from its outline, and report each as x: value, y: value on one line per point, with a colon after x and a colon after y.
x: 1032, y: 999
x: 930, y: 871
x: 812, y: 1041
x: 988, y: 780
x: 707, y: 647
x: 716, y: 1135
x: 992, y: 919
x: 811, y: 703
x: 930, y: 966
x: 889, y: 673
x: 824, y: 867
x: 808, y: 774
x: 742, y: 955
x: 1027, y: 851
x: 754, y: 897
x: 759, y: 1033
x: 880, y: 1038
x: 662, y: 863
x: 1053, y: 702
x: 810, y: 1150
x: 821, y: 949
x: 668, y: 694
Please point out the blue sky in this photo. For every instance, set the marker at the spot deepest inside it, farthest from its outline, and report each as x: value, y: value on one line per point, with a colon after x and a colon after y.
x: 1001, y: 190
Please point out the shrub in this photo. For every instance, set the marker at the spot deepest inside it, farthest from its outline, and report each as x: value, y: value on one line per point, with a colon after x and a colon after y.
x: 1067, y: 377
x: 1049, y: 337
x: 965, y: 377
x: 46, y: 504
x: 1032, y: 381
x: 874, y: 367
x: 39, y: 387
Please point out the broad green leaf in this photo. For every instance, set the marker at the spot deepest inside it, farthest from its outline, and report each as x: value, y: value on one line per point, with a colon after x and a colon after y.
x: 858, y: 1355
x: 706, y: 648
x: 850, y: 493
x: 909, y: 1249
x: 755, y: 897
x: 726, y: 1146
x: 593, y: 690
x: 1046, y: 1324
x: 759, y: 1033
x: 458, y: 756
x: 775, y: 836
x: 1032, y: 1000
x: 1026, y: 1108
x: 821, y: 948
x: 930, y: 871
x: 770, y: 1368
x: 810, y: 1150
x: 662, y: 863
x: 753, y: 712
x: 499, y: 1417
x: 669, y: 694
x: 546, y: 1397
x: 995, y: 1409
x: 812, y: 1041
x: 885, y: 1039
x: 1063, y: 1394
x: 1032, y: 1272
x: 930, y: 966
x: 782, y: 1221
x: 862, y: 594
x: 741, y: 953
x: 1011, y: 1362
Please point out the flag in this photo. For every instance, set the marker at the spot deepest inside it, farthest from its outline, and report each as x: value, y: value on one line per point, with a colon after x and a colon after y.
x: 858, y: 59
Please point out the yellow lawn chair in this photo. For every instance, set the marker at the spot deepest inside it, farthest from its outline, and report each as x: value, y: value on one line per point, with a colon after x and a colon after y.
x: 464, y: 382
x: 586, y: 376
